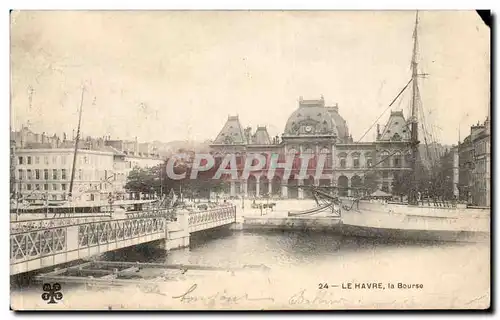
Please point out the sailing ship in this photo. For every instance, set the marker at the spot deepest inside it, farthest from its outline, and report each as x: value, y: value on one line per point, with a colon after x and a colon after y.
x: 416, y: 203
x: 436, y: 220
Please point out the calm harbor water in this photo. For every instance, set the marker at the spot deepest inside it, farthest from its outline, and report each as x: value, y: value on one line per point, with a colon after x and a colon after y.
x: 452, y: 275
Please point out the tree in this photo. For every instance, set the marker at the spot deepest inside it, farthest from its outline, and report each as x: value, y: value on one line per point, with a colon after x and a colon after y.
x: 442, y: 176
x: 402, y: 182
x: 371, y: 182
x: 145, y: 180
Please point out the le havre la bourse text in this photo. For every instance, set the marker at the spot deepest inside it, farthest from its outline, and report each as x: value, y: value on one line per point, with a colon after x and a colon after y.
x: 380, y: 285
x: 373, y: 286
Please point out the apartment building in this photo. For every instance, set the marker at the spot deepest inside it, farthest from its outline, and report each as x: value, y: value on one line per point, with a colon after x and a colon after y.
x: 46, y: 174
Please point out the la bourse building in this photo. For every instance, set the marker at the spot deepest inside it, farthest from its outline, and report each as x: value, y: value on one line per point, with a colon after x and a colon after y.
x: 315, y: 129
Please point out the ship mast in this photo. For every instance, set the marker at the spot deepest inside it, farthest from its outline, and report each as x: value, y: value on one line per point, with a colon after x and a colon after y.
x: 414, y: 117
x: 76, y: 147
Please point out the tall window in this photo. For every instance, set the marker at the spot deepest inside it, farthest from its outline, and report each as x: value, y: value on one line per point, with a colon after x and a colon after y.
x: 37, y: 160
x: 46, y: 160
x: 54, y: 174
x: 46, y: 187
x: 369, y: 162
x: 30, y: 174
x: 29, y: 160
x: 328, y: 157
x: 21, y: 174
x: 54, y: 159
x: 384, y: 157
x: 342, y: 163
x: 63, y: 174
x: 356, y: 163
x: 46, y: 174
x: 63, y: 186
x: 54, y: 186
x: 37, y: 174
x: 28, y: 186
x: 397, y: 161
x: 20, y: 159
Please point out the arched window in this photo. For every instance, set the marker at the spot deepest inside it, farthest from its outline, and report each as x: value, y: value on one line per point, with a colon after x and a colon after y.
x: 343, y: 163
x: 343, y: 159
x: 397, y: 159
x: 325, y: 152
x: 355, y: 159
x: 369, y: 159
x: 384, y: 158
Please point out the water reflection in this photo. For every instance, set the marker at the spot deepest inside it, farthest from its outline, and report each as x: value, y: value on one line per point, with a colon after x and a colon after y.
x: 305, y: 252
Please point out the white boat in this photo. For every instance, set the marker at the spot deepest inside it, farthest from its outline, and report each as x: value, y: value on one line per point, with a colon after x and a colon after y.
x: 416, y: 220
x: 426, y: 219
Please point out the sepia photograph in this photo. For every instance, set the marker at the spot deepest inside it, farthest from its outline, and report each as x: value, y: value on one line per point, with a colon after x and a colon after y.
x: 250, y: 160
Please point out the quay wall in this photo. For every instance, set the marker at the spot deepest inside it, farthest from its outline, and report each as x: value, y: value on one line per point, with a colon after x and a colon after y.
x: 289, y: 223
x: 336, y: 225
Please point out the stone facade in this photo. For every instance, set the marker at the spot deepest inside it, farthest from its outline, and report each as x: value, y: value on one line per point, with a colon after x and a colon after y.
x: 475, y: 166
x: 317, y: 129
x: 45, y: 174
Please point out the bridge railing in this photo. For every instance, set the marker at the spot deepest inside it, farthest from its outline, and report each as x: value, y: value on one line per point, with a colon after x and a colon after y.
x: 34, y: 244
x: 213, y: 215
x: 40, y: 239
x: 42, y: 224
x: 116, y: 230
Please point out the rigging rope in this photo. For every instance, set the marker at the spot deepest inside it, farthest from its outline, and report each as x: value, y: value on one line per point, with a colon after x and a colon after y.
x: 390, y: 105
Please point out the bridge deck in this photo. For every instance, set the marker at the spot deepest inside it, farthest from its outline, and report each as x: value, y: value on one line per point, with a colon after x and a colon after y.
x: 48, y: 243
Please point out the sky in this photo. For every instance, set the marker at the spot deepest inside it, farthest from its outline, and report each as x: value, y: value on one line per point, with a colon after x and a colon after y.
x: 178, y: 75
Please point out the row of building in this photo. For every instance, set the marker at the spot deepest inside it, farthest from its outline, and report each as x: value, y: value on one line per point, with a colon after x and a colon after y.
x: 320, y: 129
x: 475, y: 165
x: 42, y: 166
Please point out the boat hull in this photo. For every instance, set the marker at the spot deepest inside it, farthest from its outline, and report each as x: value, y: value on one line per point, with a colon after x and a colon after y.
x: 417, y: 210
x: 392, y: 234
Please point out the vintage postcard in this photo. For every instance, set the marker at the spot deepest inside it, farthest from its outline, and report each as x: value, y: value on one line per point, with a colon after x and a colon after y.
x: 250, y: 160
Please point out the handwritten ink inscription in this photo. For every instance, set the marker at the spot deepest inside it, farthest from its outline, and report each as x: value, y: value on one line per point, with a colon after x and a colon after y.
x: 218, y: 297
x: 303, y: 297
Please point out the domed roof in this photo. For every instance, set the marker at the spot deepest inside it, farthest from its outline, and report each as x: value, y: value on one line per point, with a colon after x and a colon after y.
x: 313, y: 118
